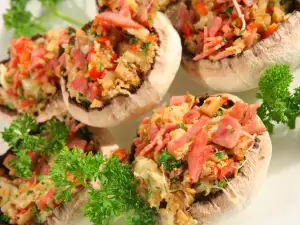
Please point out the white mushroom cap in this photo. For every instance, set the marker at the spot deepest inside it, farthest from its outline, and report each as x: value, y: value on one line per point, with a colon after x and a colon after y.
x: 241, y: 189
x: 242, y: 72
x: 150, y: 93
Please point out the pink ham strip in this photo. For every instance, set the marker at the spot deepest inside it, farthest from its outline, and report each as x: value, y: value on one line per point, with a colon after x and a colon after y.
x: 248, y: 2
x: 163, y: 143
x: 198, y: 155
x: 153, y: 131
x: 217, y: 22
x: 191, y: 116
x: 179, y: 142
x: 221, y: 55
x: 177, y: 100
x: 216, y: 41
x: 208, y: 52
x: 159, y: 137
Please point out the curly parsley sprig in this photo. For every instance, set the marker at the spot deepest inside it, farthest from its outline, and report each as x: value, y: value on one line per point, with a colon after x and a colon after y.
x: 117, y: 196
x: 24, y: 135
x: 24, y: 23
x: 279, y: 104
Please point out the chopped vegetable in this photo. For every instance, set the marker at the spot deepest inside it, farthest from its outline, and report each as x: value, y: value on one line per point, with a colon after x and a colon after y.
x: 4, y: 219
x: 279, y: 104
x: 168, y: 161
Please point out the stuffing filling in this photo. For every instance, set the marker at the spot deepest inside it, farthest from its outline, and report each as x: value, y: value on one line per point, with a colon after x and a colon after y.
x: 137, y: 5
x: 191, y: 148
x: 32, y: 199
x: 216, y: 29
x: 29, y: 79
x: 111, y: 57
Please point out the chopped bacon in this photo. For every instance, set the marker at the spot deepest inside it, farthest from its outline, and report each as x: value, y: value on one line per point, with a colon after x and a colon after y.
x: 7, y: 159
x: 151, y: 145
x: 198, y: 155
x: 26, y: 103
x: 208, y: 52
x: 79, y: 57
x: 224, y: 54
x: 34, y: 156
x: 121, y: 154
x: 13, y: 62
x: 117, y: 20
x: 38, y: 53
x: 227, y: 170
x: 191, y: 116
x: 159, y: 137
x: 163, y: 143
x: 153, y: 131
x: 125, y: 10
x: 177, y: 100
x: 146, y: 120
x: 46, y: 200
x: 179, y: 142
x: 250, y: 114
x: 93, y: 91
x: 228, y: 132
x: 255, y: 126
x: 216, y: 25
x: 238, y: 110
x: 80, y: 84
x: 248, y: 2
x: 184, y: 16
x: 77, y: 142
x: 16, y: 81
x: 250, y: 39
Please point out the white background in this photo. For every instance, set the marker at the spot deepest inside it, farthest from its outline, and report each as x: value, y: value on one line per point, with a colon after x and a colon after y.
x: 278, y: 202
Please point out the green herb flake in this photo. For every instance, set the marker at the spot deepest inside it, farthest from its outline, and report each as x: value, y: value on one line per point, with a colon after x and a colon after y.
x: 181, y: 126
x: 168, y: 161
x: 100, y: 66
x: 173, y: 180
x: 231, y: 131
x: 145, y: 47
x: 29, y: 192
x: 261, y: 158
x: 219, y: 155
x: 228, y: 11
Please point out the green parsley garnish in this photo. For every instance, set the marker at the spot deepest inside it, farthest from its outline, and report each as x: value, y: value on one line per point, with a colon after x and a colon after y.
x: 279, y: 104
x: 117, y: 197
x: 219, y: 184
x: 168, y: 161
x: 25, y: 135
x: 173, y: 179
x: 25, y: 24
x: 4, y: 219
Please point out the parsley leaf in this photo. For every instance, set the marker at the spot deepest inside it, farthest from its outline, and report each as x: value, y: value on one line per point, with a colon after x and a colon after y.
x: 168, y: 161
x: 4, y: 219
x: 145, y: 47
x: 117, y: 196
x: 219, y: 155
x: 279, y: 104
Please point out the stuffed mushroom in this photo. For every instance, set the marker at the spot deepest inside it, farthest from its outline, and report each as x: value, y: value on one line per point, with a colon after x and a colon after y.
x: 28, y: 194
x: 30, y: 77
x: 120, y: 65
x: 228, y: 44
x: 199, y: 159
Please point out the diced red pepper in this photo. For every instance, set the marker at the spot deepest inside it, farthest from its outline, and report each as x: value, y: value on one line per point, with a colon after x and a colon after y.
x: 201, y: 9
x: 273, y: 27
x: 121, y: 154
x: 45, y: 200
x: 95, y: 74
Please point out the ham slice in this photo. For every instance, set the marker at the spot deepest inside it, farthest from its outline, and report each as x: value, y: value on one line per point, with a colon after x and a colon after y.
x: 77, y: 142
x: 228, y: 132
x: 191, y: 116
x: 179, y: 142
x: 80, y: 84
x: 177, y: 100
x: 216, y: 25
x: 254, y: 126
x: 79, y: 58
x: 238, y: 110
x: 198, y: 155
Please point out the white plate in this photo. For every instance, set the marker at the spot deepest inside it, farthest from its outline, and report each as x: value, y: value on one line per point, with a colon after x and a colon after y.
x: 277, y: 203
